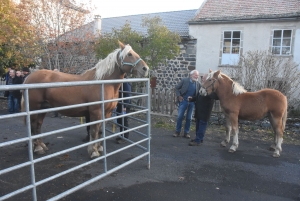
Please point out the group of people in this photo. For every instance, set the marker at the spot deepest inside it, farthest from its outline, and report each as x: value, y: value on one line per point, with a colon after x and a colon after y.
x: 14, y: 96
x: 187, y: 92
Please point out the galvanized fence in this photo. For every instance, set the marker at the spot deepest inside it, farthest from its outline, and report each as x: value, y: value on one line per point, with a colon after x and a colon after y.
x: 143, y: 142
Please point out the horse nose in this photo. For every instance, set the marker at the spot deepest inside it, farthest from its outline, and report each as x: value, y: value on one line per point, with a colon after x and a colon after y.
x: 146, y: 69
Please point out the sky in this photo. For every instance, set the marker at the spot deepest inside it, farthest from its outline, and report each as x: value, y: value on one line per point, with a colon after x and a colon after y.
x: 115, y: 8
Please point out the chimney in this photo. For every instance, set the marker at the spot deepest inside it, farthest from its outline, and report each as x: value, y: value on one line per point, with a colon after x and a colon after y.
x: 97, y: 24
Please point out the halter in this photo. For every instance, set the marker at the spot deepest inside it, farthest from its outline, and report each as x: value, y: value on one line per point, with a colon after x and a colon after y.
x: 211, y: 85
x: 127, y: 63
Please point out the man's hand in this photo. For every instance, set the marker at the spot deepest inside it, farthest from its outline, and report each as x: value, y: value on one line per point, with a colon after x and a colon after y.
x: 180, y: 98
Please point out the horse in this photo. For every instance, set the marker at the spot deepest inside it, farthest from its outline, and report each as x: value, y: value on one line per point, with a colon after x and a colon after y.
x: 237, y: 103
x: 114, y: 66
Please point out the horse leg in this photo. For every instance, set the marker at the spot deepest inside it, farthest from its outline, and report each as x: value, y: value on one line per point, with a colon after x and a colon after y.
x: 227, y: 134
x: 235, y: 130
x: 36, y: 124
x: 93, y: 148
x: 278, y: 135
x: 273, y: 146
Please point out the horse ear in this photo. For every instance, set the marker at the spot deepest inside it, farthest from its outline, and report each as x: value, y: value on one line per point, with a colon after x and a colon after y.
x: 122, y: 46
x: 217, y: 73
x: 210, y: 71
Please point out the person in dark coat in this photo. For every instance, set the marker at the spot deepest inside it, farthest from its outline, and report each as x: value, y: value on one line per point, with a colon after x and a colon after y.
x: 13, y: 96
x: 203, y: 109
x: 25, y: 73
x: 123, y: 109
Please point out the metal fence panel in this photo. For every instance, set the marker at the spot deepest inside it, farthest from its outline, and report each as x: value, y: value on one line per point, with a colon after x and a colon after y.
x: 107, y: 134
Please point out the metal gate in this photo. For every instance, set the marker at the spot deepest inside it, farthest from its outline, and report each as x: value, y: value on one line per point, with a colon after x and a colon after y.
x: 141, y: 142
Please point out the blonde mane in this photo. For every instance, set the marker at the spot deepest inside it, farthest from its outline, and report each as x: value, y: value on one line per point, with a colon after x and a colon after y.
x: 236, y: 87
x: 106, y: 66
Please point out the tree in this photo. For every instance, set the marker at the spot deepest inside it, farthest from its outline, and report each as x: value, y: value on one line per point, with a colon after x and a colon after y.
x: 259, y: 69
x: 16, y: 36
x: 160, y: 43
x: 107, y: 42
x: 61, y: 31
x: 155, y: 47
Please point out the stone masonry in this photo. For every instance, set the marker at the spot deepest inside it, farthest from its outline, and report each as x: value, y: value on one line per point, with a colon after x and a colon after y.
x: 169, y: 74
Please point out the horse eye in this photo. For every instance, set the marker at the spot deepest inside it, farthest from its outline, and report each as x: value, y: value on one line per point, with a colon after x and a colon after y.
x: 129, y: 54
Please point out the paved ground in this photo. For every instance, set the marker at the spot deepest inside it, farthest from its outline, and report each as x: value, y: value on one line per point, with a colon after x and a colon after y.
x: 178, y: 172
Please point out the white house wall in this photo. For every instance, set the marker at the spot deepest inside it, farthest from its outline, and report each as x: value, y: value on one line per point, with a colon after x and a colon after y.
x: 255, y: 36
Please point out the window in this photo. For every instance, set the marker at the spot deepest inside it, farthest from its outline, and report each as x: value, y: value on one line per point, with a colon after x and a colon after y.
x: 231, y: 42
x: 231, y: 47
x: 282, y: 40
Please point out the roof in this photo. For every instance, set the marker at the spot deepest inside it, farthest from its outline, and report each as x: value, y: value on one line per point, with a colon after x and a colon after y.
x: 175, y: 21
x: 232, y: 10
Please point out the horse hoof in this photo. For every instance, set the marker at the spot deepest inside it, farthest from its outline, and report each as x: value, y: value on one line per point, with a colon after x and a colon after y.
x: 40, y: 152
x: 231, y: 150
x: 100, y: 149
x: 276, y: 155
x: 223, y: 144
x: 95, y: 154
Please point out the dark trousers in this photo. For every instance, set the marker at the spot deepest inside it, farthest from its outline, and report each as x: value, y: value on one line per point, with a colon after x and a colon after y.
x: 123, y: 121
x: 13, y: 104
x: 200, y: 130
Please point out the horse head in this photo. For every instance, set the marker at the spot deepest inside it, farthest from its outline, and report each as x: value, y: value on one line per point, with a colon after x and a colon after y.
x: 130, y: 62
x: 209, y: 84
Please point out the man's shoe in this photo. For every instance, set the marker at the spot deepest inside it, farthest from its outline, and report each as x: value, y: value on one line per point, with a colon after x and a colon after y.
x: 176, y: 134
x: 194, y: 144
x: 187, y: 136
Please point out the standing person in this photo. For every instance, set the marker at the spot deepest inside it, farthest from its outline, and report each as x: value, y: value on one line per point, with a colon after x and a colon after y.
x: 122, y: 109
x: 13, y: 95
x: 185, y: 88
x: 204, y: 105
x: 7, y: 75
x: 18, y: 73
x: 25, y: 73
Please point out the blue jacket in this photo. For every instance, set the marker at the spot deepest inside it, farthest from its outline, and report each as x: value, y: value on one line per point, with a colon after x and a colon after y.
x: 182, y: 87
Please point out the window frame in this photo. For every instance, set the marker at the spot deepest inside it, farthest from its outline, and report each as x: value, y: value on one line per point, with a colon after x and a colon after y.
x: 231, y: 41
x: 282, y: 46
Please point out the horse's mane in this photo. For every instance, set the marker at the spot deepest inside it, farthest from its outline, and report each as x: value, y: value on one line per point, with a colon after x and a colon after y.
x: 236, y: 87
x: 106, y: 66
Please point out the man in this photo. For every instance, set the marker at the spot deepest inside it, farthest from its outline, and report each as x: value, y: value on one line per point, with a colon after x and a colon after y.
x: 25, y: 73
x: 18, y: 73
x: 204, y: 105
x: 13, y: 95
x: 185, y: 88
x: 123, y: 109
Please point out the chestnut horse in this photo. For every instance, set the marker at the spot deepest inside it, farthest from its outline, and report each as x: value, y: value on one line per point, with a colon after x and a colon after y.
x: 237, y: 103
x: 114, y: 66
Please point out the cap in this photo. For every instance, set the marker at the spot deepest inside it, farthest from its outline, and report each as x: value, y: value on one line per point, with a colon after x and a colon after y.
x: 26, y: 69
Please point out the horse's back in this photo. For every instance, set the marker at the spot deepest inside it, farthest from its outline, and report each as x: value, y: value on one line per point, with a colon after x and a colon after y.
x: 256, y: 105
x: 47, y: 76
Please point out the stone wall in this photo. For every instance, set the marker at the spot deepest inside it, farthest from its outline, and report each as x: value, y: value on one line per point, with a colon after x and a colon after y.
x: 169, y: 74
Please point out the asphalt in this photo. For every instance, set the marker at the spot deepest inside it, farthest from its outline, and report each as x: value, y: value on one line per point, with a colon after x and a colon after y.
x: 177, y: 171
